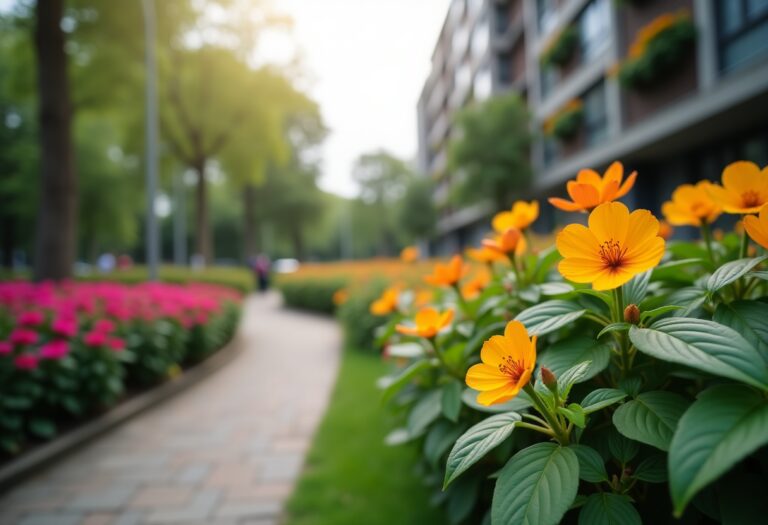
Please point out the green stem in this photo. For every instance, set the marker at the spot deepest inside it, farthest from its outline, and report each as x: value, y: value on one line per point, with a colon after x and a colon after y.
x: 432, y: 341
x: 559, y: 433
x: 534, y: 418
x: 462, y: 303
x: 744, y: 244
x: 513, y: 262
x: 599, y: 319
x: 707, y: 236
x: 537, y: 428
x: 618, y: 312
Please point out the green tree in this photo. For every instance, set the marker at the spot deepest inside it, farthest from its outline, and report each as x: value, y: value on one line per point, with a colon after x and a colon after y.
x: 491, y: 151
x: 417, y: 209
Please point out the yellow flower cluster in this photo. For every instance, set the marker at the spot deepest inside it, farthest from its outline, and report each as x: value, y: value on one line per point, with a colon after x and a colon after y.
x: 653, y: 29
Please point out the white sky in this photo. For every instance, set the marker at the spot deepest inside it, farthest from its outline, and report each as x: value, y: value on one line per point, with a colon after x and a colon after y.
x: 367, y: 60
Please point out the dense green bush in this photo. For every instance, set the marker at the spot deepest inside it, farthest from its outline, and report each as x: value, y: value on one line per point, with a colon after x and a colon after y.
x: 312, y: 294
x: 359, y: 324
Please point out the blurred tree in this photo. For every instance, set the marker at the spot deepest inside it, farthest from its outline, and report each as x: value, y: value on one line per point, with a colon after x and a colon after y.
x: 55, y: 241
x: 417, y: 210
x: 490, y: 151
x: 383, y: 179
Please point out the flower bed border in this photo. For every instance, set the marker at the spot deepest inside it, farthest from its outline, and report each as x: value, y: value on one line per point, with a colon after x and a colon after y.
x: 47, y: 454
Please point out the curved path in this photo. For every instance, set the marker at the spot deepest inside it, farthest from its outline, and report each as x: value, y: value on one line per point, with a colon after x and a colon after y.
x: 226, y: 451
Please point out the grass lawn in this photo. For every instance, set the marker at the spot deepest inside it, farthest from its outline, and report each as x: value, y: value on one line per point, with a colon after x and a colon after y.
x: 351, y: 476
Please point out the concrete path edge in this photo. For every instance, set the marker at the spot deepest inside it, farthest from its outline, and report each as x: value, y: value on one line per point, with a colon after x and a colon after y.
x: 47, y: 454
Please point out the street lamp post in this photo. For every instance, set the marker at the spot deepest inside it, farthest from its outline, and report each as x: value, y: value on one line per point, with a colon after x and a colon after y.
x: 152, y: 234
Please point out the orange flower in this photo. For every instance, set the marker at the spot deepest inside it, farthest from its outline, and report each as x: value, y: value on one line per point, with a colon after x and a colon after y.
x: 647, y: 33
x: 409, y: 254
x: 428, y: 323
x: 484, y: 255
x: 387, y: 303
x: 757, y: 227
x: 691, y: 205
x: 340, y: 297
x: 520, y: 216
x: 665, y: 230
x: 744, y: 189
x: 589, y: 191
x: 447, y: 274
x: 423, y: 297
x: 507, y: 365
x: 616, y: 246
x: 511, y: 241
x: 472, y: 288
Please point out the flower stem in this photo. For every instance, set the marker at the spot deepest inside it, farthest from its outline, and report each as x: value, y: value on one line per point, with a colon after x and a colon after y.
x: 744, y: 243
x: 706, y: 234
x: 618, y: 312
x: 513, y: 262
x: 432, y: 341
x: 462, y: 302
x: 559, y: 433
x: 537, y: 428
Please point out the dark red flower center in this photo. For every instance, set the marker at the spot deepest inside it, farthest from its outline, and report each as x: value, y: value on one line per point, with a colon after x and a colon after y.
x: 750, y: 199
x: 513, y: 368
x: 612, y: 254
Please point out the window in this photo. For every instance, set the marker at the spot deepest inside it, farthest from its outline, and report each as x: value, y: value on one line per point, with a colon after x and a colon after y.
x: 742, y: 32
x: 480, y: 39
x: 595, y: 114
x: 594, y: 29
x: 545, y: 13
x: 501, y: 17
x: 549, y: 77
x: 483, y: 84
x: 504, y: 68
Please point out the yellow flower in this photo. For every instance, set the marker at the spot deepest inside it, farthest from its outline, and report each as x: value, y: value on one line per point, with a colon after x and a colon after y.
x: 757, y: 227
x: 484, y: 255
x: 744, y: 189
x: 409, y: 254
x: 447, y: 274
x: 511, y: 241
x: 423, y: 297
x: 472, y: 288
x: 691, y: 205
x: 616, y: 246
x: 340, y: 297
x: 520, y: 216
x: 508, y: 362
x: 387, y: 303
x: 428, y: 323
x: 589, y: 190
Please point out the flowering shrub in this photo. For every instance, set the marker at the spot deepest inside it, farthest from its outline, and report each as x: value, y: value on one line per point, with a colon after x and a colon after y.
x: 564, y: 124
x: 658, y: 48
x: 615, y: 377
x: 561, y: 48
x: 69, y: 350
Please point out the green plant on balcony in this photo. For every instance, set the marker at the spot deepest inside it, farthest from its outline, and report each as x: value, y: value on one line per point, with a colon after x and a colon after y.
x: 560, y: 49
x: 658, y: 49
x: 565, y: 123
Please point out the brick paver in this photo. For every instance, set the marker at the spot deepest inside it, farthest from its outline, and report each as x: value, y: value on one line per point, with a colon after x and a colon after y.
x: 226, y: 451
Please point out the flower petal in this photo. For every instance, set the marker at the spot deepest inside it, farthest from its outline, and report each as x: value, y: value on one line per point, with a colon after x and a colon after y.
x: 581, y: 270
x: 500, y: 395
x: 742, y: 176
x: 609, y: 222
x: 516, y: 337
x: 624, y: 189
x: 588, y: 176
x: 644, y: 256
x: 486, y: 377
x: 609, y: 279
x: 564, y: 204
x: 642, y: 227
x: 494, y: 350
x: 575, y: 240
x: 586, y: 195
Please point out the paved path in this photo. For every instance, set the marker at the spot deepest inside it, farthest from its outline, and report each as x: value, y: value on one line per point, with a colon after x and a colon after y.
x: 226, y: 451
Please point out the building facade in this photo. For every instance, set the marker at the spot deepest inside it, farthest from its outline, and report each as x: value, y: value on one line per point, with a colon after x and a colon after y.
x: 708, y: 107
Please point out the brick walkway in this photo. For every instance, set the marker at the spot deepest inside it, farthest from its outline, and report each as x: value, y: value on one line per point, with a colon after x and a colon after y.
x: 226, y: 451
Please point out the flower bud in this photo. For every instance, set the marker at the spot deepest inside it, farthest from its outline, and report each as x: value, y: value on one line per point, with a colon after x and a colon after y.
x: 548, y: 378
x: 632, y: 314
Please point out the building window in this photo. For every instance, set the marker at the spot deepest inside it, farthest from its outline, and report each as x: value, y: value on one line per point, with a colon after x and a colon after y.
x: 483, y: 84
x: 742, y: 32
x: 545, y: 14
x: 594, y: 29
x: 595, y: 114
x: 549, y: 77
x: 504, y: 68
x: 480, y: 38
x: 501, y: 18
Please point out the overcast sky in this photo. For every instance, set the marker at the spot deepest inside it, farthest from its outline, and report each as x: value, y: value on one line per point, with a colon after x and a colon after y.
x: 367, y: 60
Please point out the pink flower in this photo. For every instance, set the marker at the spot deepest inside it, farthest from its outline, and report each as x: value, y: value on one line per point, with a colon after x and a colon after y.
x: 23, y: 336
x: 26, y: 362
x: 5, y: 348
x: 94, y: 338
x: 32, y: 318
x: 65, y: 326
x: 116, y: 344
x: 54, y: 350
x: 104, y: 326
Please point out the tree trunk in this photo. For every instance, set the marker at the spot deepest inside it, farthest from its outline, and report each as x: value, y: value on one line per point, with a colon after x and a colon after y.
x: 7, y: 234
x: 250, y: 227
x: 56, y: 216
x: 203, y: 237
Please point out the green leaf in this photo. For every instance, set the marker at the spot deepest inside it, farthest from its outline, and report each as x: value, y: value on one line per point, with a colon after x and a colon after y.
x: 567, y: 353
x: 574, y: 413
x: 622, y: 448
x: 601, y: 398
x: 651, y: 418
x: 614, y: 327
x: 477, y: 442
x: 549, y: 316
x: 591, y: 466
x: 425, y: 411
x: 609, y: 509
x: 521, y: 402
x: 652, y: 469
x: 749, y: 319
x: 398, y: 436
x: 576, y: 374
x: 732, y: 271
x: 536, y: 487
x: 723, y: 426
x: 439, y: 439
x: 661, y: 310
x: 461, y: 499
x: 44, y: 428
x: 549, y: 289
x: 704, y: 345
x: 635, y: 290
x: 406, y: 350
x: 452, y: 400
x: 393, y: 386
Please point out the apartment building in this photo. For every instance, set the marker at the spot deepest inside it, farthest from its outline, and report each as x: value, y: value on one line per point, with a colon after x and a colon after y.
x: 708, y: 109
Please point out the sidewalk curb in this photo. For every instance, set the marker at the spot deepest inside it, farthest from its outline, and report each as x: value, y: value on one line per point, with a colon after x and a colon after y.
x: 47, y: 454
